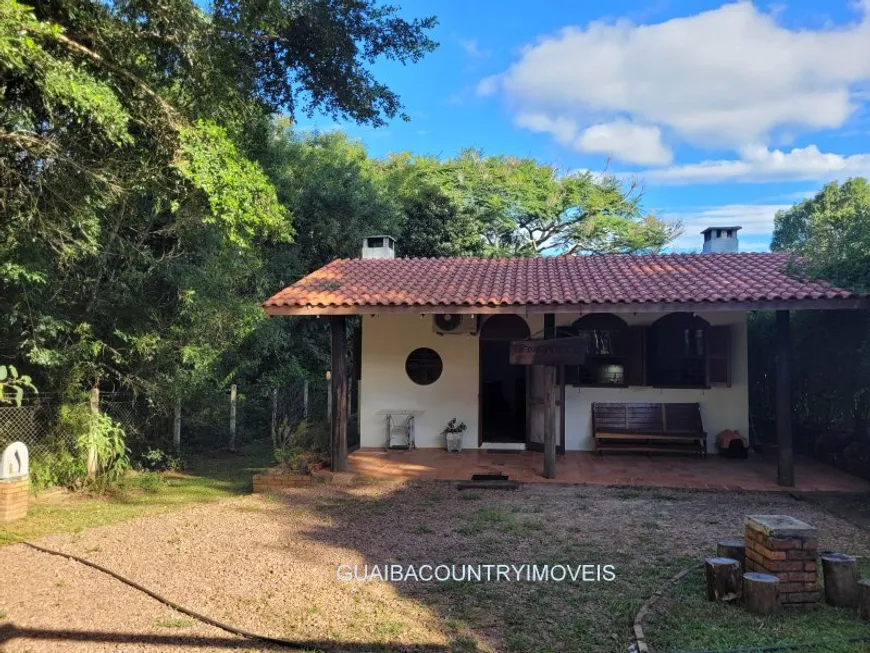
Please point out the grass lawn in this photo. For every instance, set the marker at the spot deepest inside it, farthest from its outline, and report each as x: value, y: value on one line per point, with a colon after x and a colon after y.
x: 688, y: 622
x: 291, y: 543
x: 210, y: 479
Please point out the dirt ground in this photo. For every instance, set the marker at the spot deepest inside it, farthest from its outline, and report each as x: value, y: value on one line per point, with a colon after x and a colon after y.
x: 268, y: 564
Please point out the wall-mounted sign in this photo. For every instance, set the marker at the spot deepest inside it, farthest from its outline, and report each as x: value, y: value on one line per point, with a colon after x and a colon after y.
x: 558, y: 351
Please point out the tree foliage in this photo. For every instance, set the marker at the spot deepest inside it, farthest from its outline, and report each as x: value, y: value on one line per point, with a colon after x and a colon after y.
x: 142, y: 228
x: 508, y: 206
x: 151, y: 199
x: 831, y: 234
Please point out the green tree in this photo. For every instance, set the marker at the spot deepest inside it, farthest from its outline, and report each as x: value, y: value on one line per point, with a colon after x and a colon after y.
x: 521, y: 207
x: 139, y: 227
x: 831, y: 234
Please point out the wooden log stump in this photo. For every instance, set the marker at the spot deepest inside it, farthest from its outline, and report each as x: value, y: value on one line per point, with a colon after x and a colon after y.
x: 864, y: 599
x: 734, y: 548
x: 760, y: 593
x: 724, y: 580
x: 841, y: 579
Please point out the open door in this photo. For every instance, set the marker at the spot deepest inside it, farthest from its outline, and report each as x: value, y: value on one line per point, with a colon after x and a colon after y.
x: 535, y: 409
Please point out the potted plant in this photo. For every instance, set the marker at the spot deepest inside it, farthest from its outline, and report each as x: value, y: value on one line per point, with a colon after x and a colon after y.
x: 453, y: 434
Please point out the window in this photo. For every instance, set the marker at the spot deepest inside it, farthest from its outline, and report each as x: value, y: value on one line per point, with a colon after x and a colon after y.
x: 423, y: 366
x: 606, y: 337
x: 677, y: 351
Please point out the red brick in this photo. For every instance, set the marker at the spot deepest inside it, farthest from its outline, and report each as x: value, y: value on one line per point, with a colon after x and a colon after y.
x: 784, y: 545
x: 811, y: 543
x: 798, y: 577
x: 755, y: 556
x: 789, y: 588
x: 811, y: 566
x: 772, y: 555
x: 802, y: 555
x: 784, y: 565
x: 801, y: 597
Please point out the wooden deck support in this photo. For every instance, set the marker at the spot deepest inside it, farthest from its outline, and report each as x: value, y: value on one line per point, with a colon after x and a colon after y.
x: 549, y: 403
x: 785, y: 470
x: 338, y: 425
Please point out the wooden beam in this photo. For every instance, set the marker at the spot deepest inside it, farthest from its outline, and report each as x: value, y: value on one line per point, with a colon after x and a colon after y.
x: 785, y: 462
x: 549, y: 403
x: 338, y: 457
x: 549, y: 326
x: 575, y: 309
x: 549, y: 421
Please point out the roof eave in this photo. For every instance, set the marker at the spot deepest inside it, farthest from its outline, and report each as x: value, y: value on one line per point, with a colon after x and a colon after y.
x: 825, y: 303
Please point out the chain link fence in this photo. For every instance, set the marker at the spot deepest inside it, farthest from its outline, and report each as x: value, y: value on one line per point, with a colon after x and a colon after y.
x: 36, y: 424
x: 205, y: 419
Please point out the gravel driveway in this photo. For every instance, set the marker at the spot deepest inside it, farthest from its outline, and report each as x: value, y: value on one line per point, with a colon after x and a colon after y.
x: 268, y: 564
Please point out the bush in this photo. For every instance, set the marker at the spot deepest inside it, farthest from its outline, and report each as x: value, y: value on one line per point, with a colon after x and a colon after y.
x: 58, y: 468
x: 95, y: 433
x: 157, y: 460
x: 150, y: 482
x: 302, y: 448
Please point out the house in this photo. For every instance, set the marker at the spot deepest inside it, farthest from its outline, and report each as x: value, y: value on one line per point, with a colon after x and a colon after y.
x: 436, y: 337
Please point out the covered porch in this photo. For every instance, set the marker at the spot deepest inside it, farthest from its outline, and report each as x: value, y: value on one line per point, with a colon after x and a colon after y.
x: 759, y: 473
x: 697, y: 357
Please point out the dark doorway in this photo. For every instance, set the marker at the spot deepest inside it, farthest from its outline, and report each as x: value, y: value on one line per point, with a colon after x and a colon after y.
x: 502, y: 385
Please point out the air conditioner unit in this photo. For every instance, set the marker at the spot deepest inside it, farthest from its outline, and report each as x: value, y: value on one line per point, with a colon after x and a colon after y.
x: 454, y: 323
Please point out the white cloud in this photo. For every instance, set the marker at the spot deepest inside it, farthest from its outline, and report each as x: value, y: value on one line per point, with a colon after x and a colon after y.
x: 626, y: 141
x: 756, y: 221
x: 622, y: 140
x: 562, y: 129
x: 764, y: 165
x: 472, y: 49
x: 730, y: 77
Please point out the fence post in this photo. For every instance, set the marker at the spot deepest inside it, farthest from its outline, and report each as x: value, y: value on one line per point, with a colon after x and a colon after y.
x: 274, y: 418
x: 176, y: 428
x: 329, y: 397
x: 305, y: 399
x: 92, y: 452
x: 233, y: 417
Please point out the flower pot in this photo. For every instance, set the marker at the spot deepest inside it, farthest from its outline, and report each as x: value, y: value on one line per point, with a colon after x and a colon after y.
x: 454, y: 441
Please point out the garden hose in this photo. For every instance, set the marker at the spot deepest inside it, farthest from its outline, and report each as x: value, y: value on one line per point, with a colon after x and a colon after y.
x: 287, y: 643
x: 175, y: 606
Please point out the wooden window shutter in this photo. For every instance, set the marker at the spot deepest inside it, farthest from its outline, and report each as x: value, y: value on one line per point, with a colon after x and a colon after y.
x: 635, y: 356
x: 719, y: 356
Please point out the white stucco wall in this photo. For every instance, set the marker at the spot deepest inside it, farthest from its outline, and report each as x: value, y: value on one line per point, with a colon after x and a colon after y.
x: 387, y: 341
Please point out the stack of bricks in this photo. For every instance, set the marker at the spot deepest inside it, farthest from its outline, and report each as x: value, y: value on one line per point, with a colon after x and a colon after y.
x: 14, y: 498
x: 787, y: 548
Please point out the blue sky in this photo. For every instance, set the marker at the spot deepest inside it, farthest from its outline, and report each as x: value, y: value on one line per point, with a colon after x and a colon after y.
x: 723, y: 112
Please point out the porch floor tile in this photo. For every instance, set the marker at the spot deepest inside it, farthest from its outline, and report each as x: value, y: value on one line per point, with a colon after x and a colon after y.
x: 758, y: 473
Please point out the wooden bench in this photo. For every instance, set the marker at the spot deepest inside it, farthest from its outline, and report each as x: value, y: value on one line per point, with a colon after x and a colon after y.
x: 648, y: 428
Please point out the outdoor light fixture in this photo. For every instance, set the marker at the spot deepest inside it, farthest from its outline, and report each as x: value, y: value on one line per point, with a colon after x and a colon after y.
x: 328, y: 375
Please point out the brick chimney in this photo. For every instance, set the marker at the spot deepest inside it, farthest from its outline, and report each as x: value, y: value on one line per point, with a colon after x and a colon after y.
x: 719, y: 240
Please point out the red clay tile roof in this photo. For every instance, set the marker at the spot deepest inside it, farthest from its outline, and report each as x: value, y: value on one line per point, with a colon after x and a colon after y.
x: 610, y: 279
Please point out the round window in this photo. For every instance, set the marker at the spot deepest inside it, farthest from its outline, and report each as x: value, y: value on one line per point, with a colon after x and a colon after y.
x: 424, y: 366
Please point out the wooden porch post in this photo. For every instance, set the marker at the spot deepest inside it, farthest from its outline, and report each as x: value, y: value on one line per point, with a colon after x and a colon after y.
x: 338, y: 458
x: 785, y: 470
x: 550, y: 421
x: 549, y: 403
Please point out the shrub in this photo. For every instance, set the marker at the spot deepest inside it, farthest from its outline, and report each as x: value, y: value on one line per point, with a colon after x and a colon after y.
x: 148, y: 482
x: 57, y: 468
x: 157, y: 460
x: 301, y: 448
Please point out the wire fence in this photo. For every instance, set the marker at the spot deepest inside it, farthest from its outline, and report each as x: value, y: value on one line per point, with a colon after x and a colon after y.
x: 44, y: 425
